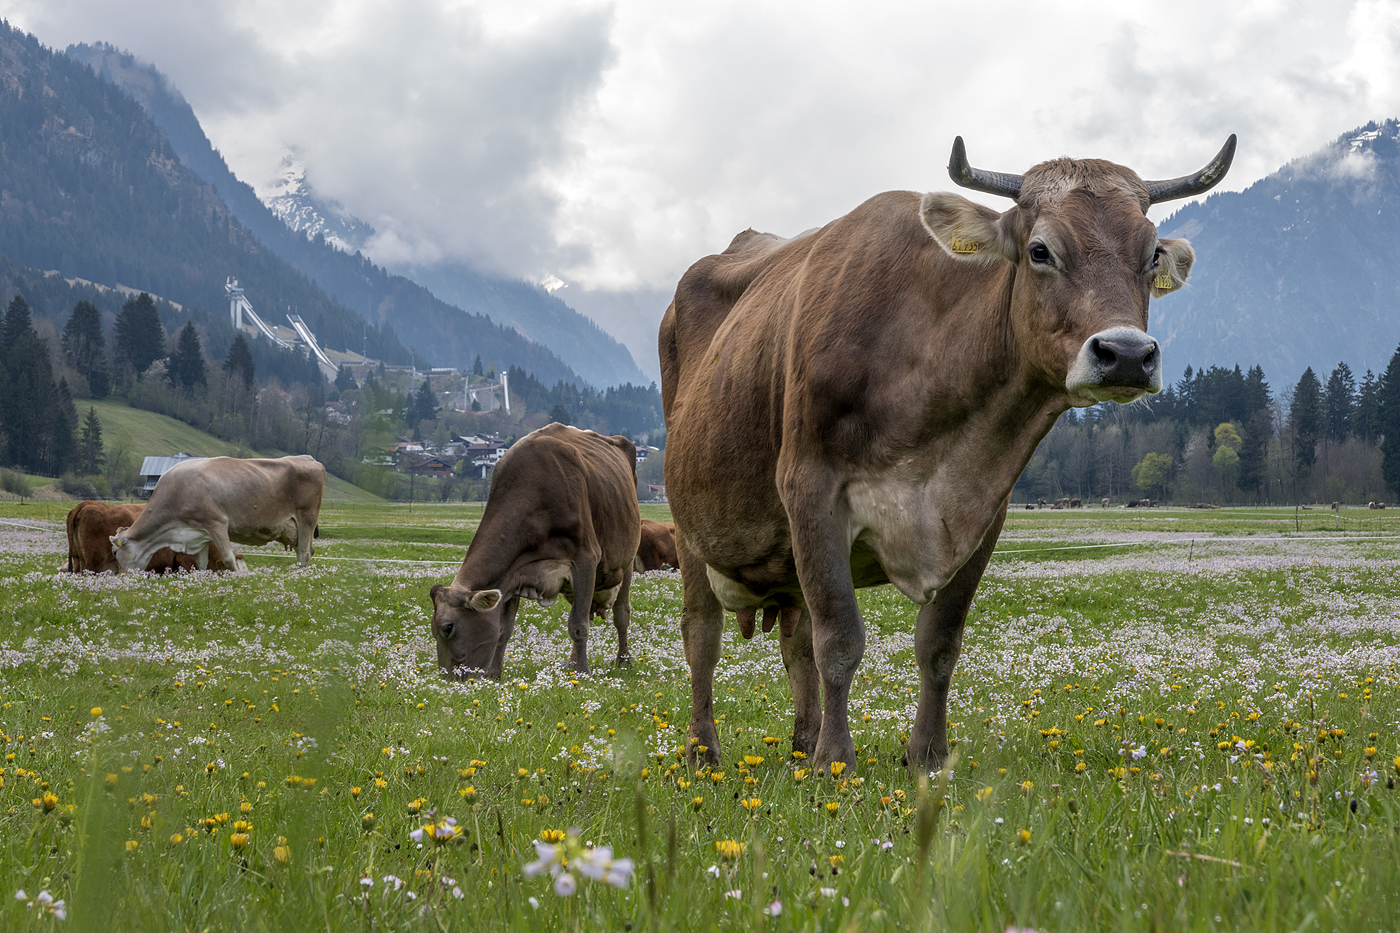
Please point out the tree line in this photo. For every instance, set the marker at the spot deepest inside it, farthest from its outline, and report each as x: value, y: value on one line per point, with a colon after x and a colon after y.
x: 1222, y: 435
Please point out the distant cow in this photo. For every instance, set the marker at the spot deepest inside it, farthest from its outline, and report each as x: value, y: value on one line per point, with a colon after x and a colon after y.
x: 561, y: 517
x: 204, y: 505
x: 1061, y: 503
x: 1040, y: 503
x: 657, y: 548
x: 1076, y: 503
x: 1105, y: 502
x: 90, y: 527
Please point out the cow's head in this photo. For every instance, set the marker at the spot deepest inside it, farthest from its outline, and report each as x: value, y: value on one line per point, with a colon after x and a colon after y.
x: 467, y: 628
x: 123, y: 551
x: 1087, y: 262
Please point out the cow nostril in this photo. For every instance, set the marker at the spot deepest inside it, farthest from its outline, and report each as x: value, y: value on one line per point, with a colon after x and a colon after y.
x: 1149, y: 362
x: 1102, y: 352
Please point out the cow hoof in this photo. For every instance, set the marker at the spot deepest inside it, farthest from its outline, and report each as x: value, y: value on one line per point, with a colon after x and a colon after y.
x: 623, y: 660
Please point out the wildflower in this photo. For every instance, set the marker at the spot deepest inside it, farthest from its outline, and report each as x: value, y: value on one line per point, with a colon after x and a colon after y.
x: 367, y: 822
x: 837, y: 767
x: 735, y: 894
x: 1027, y: 785
x: 283, y: 854
x: 45, y: 902
x: 774, y: 909
x: 355, y: 793
x: 238, y: 840
x: 730, y: 850
x: 599, y: 865
x: 131, y: 846
x: 96, y: 711
x: 832, y: 807
x: 110, y: 781
x: 753, y: 761
x: 552, y: 835
x: 468, y: 794
x: 716, y: 776
x: 798, y: 756
x: 751, y: 803
x: 984, y: 794
x: 801, y: 774
x: 242, y: 826
x: 415, y: 805
x: 444, y: 830
x: 176, y: 839
x: 245, y: 808
x: 770, y: 740
x: 1080, y: 767
x: 1024, y: 836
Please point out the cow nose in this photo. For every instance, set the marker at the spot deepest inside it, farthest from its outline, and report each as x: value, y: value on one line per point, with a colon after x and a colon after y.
x: 1125, y: 358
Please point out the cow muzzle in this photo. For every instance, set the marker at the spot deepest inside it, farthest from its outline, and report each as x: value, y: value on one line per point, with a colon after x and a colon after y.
x: 1120, y: 364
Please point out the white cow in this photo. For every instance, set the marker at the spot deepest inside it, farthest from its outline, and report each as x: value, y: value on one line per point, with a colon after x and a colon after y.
x: 216, y: 501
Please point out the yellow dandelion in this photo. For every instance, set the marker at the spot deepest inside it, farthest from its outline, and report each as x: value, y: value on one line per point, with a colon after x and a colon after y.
x: 984, y: 794
x: 837, y: 767
x: 1023, y: 837
x: 716, y: 776
x: 96, y: 711
x: 751, y: 803
x: 239, y: 840
x: 552, y: 835
x: 770, y: 740
x: 367, y: 822
x: 801, y: 774
x: 415, y: 805
x: 832, y: 807
x: 131, y: 846
x: 730, y: 850
x: 355, y: 792
x: 1080, y: 767
x: 176, y: 839
x: 468, y: 794
x: 697, y: 802
x: 753, y: 761
x: 283, y: 854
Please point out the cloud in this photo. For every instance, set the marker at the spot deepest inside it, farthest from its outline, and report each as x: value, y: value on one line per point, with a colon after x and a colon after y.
x: 612, y: 145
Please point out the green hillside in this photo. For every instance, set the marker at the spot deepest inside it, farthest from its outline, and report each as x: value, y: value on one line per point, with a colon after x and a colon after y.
x: 147, y: 434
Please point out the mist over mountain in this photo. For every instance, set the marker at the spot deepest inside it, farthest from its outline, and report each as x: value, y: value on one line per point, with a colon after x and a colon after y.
x: 442, y: 334
x: 1297, y: 270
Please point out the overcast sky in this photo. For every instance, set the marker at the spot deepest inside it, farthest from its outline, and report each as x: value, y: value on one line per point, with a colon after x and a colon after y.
x: 612, y: 144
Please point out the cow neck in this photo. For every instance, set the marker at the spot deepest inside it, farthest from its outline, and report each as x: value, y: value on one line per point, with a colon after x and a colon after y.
x: 492, y: 554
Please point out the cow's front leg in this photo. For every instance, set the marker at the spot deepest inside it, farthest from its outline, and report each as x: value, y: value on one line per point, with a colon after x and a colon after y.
x: 702, y: 629
x: 622, y: 617
x: 819, y: 520
x: 584, y: 580
x: 219, y: 542
x: 937, y: 643
x: 806, y: 685
x: 498, y: 660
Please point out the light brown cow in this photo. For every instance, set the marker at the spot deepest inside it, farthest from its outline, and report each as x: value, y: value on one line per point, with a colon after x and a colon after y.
x: 203, y: 505
x: 561, y: 517
x: 657, y: 548
x: 90, y: 527
x: 852, y: 407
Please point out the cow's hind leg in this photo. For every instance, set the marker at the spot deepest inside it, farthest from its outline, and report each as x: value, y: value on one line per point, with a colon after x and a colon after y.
x: 306, y: 530
x: 702, y: 629
x: 806, y: 685
x: 622, y: 618
x: 220, y: 546
x: 937, y: 643
x: 585, y: 572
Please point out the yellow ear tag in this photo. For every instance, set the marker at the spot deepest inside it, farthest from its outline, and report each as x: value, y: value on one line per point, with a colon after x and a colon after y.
x: 964, y: 246
x: 1163, y: 281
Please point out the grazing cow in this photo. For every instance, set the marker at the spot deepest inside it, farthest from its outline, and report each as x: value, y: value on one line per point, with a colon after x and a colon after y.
x: 206, y: 504
x: 90, y: 527
x: 561, y: 517
x: 1076, y: 503
x: 1061, y: 503
x: 1104, y: 503
x: 657, y: 548
x: 1040, y: 503
x: 852, y: 407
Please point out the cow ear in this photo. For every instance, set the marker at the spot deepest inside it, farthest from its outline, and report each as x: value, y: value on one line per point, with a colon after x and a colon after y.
x: 117, y: 541
x: 1173, y: 266
x: 485, y: 599
x: 966, y: 230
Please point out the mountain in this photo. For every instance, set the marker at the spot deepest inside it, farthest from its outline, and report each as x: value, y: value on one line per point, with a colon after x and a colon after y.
x: 1298, y: 269
x: 90, y: 188
x: 532, y: 310
x: 329, y: 235
x: 442, y: 334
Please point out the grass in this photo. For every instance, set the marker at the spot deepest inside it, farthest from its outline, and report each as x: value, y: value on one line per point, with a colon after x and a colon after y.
x: 1190, y: 725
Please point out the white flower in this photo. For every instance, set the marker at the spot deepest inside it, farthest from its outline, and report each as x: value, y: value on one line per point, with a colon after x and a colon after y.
x: 565, y: 885
x: 393, y: 881
x: 457, y: 892
x: 736, y: 894
x: 774, y: 909
x: 828, y: 892
x: 599, y: 865
x: 367, y: 882
x: 551, y: 859
x: 21, y: 896
x: 712, y: 871
x: 535, y: 903
x: 1139, y: 752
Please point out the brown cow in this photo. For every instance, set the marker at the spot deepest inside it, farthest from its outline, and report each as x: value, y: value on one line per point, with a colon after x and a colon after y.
x: 561, y: 517
x: 657, y: 548
x: 853, y: 406
x: 90, y: 527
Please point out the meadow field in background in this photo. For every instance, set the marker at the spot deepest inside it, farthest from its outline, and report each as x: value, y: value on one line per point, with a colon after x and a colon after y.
x: 1164, y: 720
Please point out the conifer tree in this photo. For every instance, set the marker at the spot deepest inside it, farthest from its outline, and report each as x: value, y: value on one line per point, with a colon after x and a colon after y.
x: 1340, y: 401
x: 187, y: 362
x: 91, y: 456
x: 476, y: 367
x: 1388, y: 422
x: 59, y: 431
x: 239, y: 361
x: 1367, y: 403
x: 424, y: 407
x: 1305, y: 418
x: 139, y: 338
x: 84, y: 347
x: 27, y: 397
x: 343, y: 379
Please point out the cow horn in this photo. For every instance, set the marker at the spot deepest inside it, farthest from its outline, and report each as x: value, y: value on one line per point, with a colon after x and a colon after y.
x: 1190, y: 185
x: 968, y: 177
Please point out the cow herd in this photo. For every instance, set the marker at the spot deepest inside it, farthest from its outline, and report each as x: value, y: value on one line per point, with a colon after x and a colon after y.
x: 847, y: 408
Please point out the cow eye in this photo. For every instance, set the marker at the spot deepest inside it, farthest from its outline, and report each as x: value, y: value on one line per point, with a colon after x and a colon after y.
x: 1156, y: 259
x: 446, y: 630
x: 1040, y: 254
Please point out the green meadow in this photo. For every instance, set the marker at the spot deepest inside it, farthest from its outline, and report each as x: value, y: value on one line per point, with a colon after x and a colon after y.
x: 1164, y: 720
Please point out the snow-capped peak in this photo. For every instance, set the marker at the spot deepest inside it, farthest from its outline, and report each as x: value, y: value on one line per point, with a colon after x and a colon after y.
x: 288, y: 195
